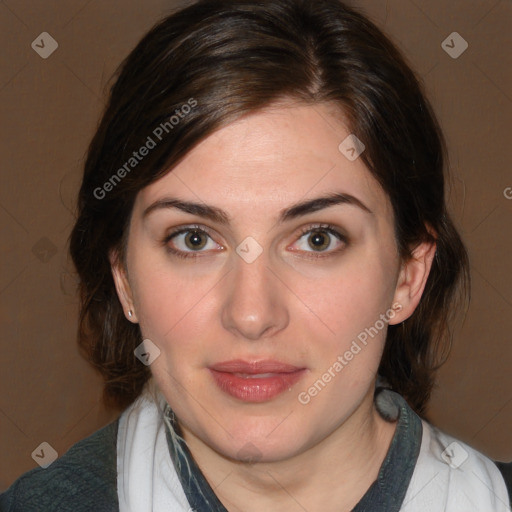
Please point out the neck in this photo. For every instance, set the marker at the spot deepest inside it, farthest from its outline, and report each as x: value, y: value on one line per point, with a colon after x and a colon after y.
x: 333, y: 474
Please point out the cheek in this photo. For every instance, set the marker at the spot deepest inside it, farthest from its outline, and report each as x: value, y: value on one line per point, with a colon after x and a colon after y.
x: 173, y: 307
x: 350, y: 299
x: 354, y: 307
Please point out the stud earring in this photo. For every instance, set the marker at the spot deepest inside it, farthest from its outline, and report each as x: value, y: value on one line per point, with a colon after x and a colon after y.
x: 130, y: 314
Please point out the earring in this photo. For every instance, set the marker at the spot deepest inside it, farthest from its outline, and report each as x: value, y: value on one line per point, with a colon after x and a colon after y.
x: 130, y: 314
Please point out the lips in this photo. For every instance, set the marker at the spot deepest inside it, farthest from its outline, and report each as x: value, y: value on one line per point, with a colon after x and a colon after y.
x: 257, y: 381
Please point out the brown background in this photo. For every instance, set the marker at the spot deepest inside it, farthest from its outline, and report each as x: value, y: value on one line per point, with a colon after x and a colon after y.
x: 50, y: 108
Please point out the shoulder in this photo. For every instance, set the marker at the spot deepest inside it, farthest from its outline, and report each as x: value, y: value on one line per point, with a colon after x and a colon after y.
x: 85, y: 477
x: 452, y: 476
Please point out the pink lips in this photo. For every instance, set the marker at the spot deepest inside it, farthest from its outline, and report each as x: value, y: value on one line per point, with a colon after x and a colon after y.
x: 258, y: 381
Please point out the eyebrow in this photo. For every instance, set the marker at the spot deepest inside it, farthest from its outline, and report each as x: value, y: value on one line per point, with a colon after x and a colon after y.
x: 221, y: 217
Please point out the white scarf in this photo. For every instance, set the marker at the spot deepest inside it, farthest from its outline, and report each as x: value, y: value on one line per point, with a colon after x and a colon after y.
x: 147, y: 480
x: 450, y: 476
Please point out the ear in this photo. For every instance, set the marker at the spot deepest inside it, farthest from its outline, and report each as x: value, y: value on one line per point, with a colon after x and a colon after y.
x: 412, y: 280
x: 123, y: 288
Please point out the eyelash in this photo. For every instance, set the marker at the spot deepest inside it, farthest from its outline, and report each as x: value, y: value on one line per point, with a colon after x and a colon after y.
x: 180, y: 231
x: 326, y: 228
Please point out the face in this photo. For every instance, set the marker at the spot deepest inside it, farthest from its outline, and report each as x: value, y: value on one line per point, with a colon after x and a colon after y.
x: 264, y: 268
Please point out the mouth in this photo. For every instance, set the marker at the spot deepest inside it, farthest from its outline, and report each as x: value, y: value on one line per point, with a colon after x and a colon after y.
x: 256, y: 382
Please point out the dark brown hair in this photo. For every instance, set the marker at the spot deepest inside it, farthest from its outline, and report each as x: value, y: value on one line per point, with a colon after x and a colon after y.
x: 231, y: 58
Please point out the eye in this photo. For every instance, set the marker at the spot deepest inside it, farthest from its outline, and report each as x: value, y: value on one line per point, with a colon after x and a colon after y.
x: 321, y: 239
x: 186, y: 241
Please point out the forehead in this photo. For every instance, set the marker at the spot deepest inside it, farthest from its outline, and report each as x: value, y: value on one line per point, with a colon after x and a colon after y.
x: 269, y: 159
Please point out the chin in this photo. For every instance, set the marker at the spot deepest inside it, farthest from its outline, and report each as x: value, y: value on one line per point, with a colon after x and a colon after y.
x: 261, y: 450
x: 258, y: 438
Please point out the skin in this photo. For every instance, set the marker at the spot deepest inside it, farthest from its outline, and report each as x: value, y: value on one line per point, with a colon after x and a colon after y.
x: 293, y: 304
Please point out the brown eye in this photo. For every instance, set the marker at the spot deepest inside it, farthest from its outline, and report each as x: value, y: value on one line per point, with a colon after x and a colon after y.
x: 319, y: 240
x: 195, y: 240
x: 191, y: 242
x: 324, y: 240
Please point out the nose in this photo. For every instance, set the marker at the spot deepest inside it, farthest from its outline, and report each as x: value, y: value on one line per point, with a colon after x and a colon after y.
x: 255, y: 301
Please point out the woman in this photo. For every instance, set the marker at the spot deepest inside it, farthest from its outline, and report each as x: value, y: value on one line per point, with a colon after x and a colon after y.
x: 267, y: 271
